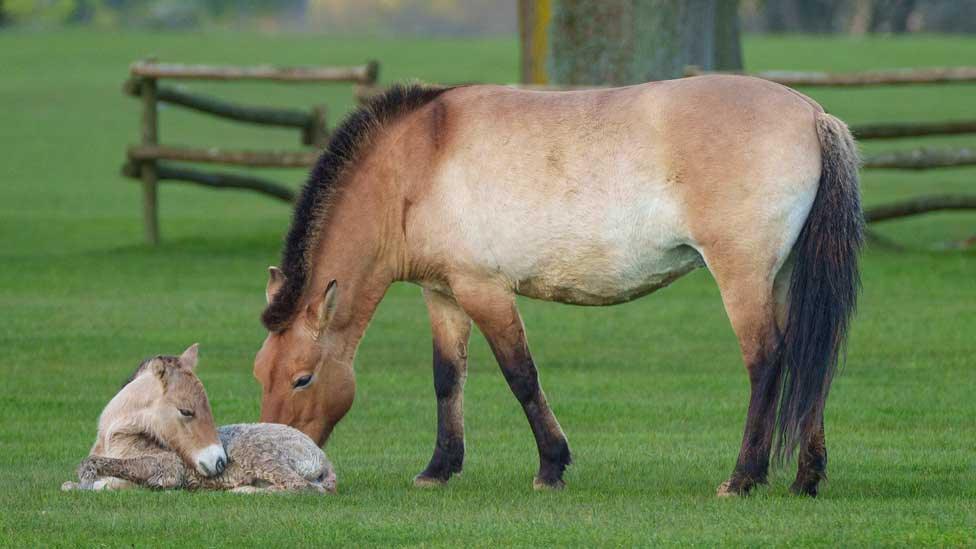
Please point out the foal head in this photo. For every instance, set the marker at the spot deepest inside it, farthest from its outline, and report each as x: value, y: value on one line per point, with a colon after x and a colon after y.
x: 165, y: 401
x: 306, y: 369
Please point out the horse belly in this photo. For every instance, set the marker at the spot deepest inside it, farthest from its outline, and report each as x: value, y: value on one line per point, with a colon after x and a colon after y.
x: 589, y: 250
x: 579, y: 280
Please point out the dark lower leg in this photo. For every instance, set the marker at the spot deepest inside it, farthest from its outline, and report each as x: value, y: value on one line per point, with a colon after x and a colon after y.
x: 448, y: 455
x: 812, y: 464
x: 753, y: 463
x: 451, y: 328
x: 523, y: 379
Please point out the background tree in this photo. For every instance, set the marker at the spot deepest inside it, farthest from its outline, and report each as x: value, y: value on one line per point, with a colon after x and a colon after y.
x: 589, y: 42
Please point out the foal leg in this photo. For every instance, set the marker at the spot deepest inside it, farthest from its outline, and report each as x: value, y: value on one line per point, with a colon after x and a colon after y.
x: 451, y: 329
x: 750, y: 303
x: 160, y: 472
x: 493, y: 309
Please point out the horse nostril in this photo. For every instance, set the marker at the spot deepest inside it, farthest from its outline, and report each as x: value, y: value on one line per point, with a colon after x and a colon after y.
x: 221, y: 464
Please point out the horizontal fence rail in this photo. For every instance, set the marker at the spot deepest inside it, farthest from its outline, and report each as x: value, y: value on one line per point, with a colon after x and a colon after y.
x: 897, y: 130
x: 940, y: 75
x: 920, y: 205
x: 170, y: 172
x: 360, y: 74
x: 921, y: 159
x: 312, y: 123
x: 252, y: 159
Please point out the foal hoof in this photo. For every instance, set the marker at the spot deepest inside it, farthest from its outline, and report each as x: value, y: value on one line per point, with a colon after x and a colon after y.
x: 420, y: 481
x: 540, y: 485
x: 69, y: 486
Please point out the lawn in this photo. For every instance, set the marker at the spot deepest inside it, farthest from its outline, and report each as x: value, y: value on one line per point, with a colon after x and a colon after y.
x: 652, y: 394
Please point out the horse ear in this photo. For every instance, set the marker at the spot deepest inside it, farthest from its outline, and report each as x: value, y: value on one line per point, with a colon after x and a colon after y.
x: 276, y: 279
x: 322, y: 312
x: 188, y: 359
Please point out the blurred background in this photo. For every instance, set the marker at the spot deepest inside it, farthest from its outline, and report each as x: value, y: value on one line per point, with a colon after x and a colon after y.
x: 467, y: 17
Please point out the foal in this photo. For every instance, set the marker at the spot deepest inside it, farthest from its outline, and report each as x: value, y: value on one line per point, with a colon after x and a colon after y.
x: 159, y: 432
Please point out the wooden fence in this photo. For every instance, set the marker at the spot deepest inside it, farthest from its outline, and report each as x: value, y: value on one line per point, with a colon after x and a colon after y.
x: 151, y: 162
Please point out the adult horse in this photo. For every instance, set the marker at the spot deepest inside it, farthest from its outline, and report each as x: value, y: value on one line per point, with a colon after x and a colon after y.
x: 479, y: 193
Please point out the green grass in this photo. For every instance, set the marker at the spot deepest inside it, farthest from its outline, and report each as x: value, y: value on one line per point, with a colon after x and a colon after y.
x: 652, y: 394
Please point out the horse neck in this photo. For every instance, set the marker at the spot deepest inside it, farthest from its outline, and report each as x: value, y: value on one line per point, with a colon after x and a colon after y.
x: 360, y: 246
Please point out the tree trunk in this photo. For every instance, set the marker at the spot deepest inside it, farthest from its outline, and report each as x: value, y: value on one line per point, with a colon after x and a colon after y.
x: 534, y: 17
x: 617, y: 42
x: 891, y: 15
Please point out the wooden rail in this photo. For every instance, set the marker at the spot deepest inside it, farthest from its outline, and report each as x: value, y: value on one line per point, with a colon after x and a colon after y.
x: 920, y: 205
x: 217, y: 180
x: 361, y: 74
x: 940, y: 75
x: 312, y: 123
x: 896, y: 130
x: 252, y: 159
x: 921, y: 159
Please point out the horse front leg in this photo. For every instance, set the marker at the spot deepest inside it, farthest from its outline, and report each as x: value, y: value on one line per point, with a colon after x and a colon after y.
x: 451, y: 328
x: 493, y: 309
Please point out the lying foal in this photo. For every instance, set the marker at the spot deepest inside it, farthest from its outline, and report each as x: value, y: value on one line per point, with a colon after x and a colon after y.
x: 158, y: 432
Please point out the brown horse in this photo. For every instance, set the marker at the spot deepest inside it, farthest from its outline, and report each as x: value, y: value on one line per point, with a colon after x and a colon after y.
x: 479, y: 193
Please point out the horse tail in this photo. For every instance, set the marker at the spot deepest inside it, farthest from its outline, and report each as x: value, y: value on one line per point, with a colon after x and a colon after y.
x: 823, y: 288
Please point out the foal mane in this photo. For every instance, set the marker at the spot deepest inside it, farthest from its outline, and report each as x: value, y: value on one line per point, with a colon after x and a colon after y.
x: 168, y: 361
x: 345, y: 146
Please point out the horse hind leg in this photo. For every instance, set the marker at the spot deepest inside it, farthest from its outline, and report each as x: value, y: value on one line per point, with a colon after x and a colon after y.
x: 754, y: 301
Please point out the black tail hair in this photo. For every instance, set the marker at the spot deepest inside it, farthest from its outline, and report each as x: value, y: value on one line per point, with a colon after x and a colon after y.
x: 823, y: 289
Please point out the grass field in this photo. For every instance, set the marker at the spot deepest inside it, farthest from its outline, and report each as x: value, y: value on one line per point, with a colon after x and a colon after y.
x: 651, y: 394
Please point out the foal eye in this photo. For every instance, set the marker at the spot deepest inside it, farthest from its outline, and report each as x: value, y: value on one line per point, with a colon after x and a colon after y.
x: 302, y: 381
x: 186, y: 413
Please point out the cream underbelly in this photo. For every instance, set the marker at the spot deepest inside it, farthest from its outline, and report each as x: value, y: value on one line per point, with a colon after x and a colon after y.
x: 577, y: 281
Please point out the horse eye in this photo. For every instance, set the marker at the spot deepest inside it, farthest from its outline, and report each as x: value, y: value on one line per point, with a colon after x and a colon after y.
x: 302, y: 381
x: 186, y: 413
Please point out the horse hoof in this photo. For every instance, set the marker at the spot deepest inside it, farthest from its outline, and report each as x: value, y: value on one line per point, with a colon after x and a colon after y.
x: 724, y: 490
x: 421, y: 481
x: 540, y: 485
x: 800, y: 489
x: 69, y: 486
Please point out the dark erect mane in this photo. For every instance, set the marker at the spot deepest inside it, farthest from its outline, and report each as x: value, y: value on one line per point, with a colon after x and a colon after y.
x: 348, y: 140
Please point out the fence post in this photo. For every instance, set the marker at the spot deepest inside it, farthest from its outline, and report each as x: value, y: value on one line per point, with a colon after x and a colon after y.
x: 319, y: 134
x: 150, y: 137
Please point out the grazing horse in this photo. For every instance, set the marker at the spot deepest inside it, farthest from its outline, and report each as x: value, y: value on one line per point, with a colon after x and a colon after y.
x: 481, y: 193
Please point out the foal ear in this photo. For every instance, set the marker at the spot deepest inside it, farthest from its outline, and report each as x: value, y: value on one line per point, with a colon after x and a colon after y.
x: 188, y: 359
x: 159, y: 370
x: 322, y: 312
x: 276, y: 279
